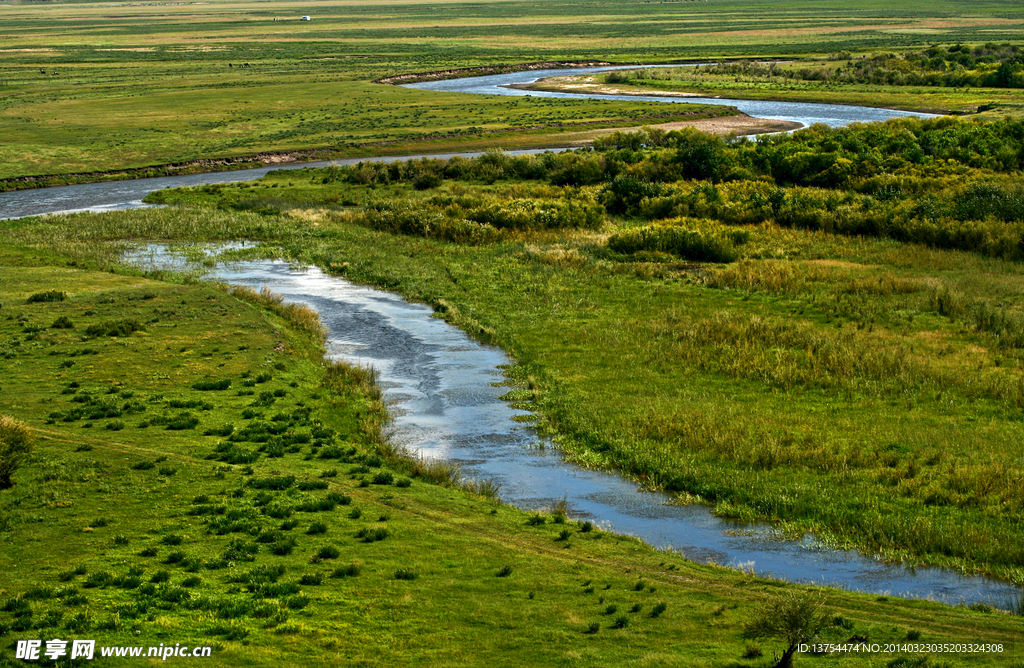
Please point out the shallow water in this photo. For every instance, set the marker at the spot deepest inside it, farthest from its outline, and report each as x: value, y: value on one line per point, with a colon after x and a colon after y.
x: 442, y: 389
x: 806, y: 113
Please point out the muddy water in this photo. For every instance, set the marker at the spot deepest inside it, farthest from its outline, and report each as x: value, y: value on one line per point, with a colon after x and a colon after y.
x: 442, y: 390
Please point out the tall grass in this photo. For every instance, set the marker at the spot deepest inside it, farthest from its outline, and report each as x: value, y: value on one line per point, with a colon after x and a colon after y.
x: 301, y: 317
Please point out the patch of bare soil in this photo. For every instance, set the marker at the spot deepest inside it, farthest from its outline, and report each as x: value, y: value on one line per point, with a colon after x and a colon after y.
x: 737, y: 124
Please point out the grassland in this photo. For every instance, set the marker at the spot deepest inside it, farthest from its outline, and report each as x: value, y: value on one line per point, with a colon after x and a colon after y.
x: 151, y: 84
x: 201, y: 476
x: 206, y: 480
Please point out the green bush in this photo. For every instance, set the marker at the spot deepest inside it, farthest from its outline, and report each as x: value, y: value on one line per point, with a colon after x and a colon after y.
x: 698, y: 240
x: 208, y: 385
x: 48, y: 296
x: 15, y: 448
x: 115, y: 328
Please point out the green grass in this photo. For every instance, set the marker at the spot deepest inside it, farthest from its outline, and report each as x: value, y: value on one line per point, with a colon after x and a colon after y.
x: 103, y: 547
x: 153, y: 86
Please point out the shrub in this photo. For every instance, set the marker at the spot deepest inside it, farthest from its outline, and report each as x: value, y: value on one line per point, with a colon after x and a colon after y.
x: 794, y: 619
x: 241, y: 550
x: 317, y: 528
x: 223, y: 430
x: 115, y: 328
x: 405, y: 574
x: 312, y: 579
x: 505, y: 571
x: 48, y: 296
x: 63, y: 322
x: 182, y: 421
x: 369, y: 535
x: 15, y: 448
x: 702, y: 241
x: 620, y: 622
x: 209, y: 385
x: 283, y: 547
x: 658, y: 609
x: 328, y: 552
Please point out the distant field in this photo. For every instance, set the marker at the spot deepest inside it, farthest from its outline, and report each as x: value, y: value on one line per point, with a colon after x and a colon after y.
x: 150, y: 83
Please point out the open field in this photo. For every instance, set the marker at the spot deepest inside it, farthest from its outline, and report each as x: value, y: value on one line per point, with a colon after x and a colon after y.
x: 150, y: 83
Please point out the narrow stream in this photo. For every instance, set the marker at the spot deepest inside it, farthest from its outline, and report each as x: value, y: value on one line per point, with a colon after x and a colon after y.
x: 442, y: 389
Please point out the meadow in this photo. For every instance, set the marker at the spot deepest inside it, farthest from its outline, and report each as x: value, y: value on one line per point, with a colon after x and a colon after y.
x: 201, y: 476
x: 99, y: 87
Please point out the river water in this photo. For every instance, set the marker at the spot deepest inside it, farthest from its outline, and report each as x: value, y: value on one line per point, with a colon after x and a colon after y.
x: 443, y: 392
x: 805, y: 113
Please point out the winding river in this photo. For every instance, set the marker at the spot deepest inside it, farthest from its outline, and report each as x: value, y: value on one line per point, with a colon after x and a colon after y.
x: 805, y: 113
x: 443, y: 390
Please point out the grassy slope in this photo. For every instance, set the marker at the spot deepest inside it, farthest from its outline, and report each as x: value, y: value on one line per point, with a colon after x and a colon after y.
x: 84, y: 502
x: 125, y: 75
